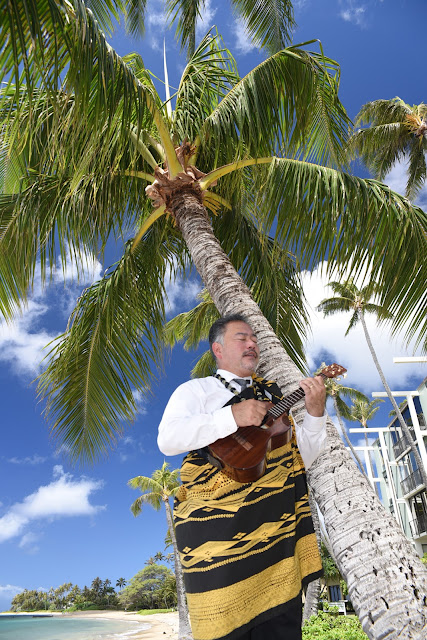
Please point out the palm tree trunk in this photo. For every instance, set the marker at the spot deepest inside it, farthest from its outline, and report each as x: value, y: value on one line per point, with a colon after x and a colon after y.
x: 347, y: 439
x: 311, y: 604
x: 387, y: 582
x: 184, y: 628
x: 401, y: 419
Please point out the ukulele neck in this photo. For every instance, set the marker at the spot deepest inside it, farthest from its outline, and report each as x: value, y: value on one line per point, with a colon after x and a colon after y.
x: 284, y: 405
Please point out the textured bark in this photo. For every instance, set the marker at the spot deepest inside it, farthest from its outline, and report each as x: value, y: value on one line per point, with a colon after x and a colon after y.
x: 401, y: 419
x: 311, y: 604
x: 184, y: 628
x: 347, y: 439
x: 387, y: 582
x: 312, y: 595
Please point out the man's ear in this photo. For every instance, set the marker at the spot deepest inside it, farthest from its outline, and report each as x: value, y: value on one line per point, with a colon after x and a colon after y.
x: 217, y: 349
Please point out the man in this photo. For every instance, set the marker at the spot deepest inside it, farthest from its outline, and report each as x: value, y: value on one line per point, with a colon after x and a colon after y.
x: 246, y: 549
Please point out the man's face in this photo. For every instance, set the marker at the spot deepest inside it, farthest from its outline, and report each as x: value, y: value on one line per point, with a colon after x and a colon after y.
x: 240, y: 352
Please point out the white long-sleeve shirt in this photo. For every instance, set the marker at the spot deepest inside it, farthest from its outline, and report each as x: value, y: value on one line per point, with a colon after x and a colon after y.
x: 195, y: 417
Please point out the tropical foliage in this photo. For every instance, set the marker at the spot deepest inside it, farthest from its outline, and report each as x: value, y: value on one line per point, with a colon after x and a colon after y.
x: 153, y: 587
x: 326, y: 626
x: 100, y: 595
x: 396, y: 132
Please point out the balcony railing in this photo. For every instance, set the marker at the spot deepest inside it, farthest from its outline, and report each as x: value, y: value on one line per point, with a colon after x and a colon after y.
x: 402, y: 445
x: 411, y: 482
x: 419, y: 525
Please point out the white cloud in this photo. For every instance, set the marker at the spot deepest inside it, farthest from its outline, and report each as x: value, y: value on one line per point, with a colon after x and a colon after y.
x: 205, y: 21
x: 9, y: 590
x: 19, y: 345
x: 329, y: 342
x: 140, y: 403
x: 356, y: 14
x: 180, y: 292
x: 397, y: 179
x: 243, y: 42
x: 129, y: 447
x: 63, y: 497
x: 28, y: 460
x: 22, y: 342
x: 28, y: 543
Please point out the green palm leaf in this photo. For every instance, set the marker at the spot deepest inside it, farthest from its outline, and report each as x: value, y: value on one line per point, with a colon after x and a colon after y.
x: 108, y: 350
x: 287, y: 102
x: 187, y: 12
x: 269, y: 24
x: 333, y: 213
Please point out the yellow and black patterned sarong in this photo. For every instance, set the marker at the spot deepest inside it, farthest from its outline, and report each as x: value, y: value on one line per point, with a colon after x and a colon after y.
x: 246, y: 549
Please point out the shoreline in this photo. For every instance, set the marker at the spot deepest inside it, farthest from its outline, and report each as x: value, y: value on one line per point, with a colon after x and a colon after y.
x: 162, y: 625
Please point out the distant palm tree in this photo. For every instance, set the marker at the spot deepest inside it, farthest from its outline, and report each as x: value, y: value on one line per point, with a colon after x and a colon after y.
x: 362, y: 411
x: 157, y: 490
x: 401, y: 406
x: 121, y: 582
x: 337, y: 391
x: 349, y: 298
x: 397, y: 131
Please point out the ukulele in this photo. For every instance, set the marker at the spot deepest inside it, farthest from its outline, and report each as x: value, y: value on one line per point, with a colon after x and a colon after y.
x: 243, y: 454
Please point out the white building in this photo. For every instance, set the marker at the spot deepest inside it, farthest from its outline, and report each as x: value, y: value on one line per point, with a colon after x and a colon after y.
x: 391, y: 467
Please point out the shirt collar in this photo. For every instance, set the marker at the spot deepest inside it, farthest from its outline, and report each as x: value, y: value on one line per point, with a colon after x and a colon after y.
x: 227, y: 375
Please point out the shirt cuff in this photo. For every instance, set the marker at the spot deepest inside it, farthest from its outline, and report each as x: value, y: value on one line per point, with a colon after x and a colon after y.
x: 314, y: 423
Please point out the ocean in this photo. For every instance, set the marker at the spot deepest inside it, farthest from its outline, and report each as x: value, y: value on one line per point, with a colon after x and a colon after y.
x: 59, y: 628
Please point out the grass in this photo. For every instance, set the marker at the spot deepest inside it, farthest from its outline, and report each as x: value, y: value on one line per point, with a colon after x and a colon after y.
x: 149, y: 612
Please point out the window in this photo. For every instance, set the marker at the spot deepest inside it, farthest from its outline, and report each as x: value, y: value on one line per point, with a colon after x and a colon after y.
x: 334, y: 593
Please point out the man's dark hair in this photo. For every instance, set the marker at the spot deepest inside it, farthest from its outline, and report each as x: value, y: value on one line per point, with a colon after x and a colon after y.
x: 217, y: 330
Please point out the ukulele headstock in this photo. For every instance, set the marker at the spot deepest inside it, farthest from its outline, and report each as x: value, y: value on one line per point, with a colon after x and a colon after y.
x: 332, y: 371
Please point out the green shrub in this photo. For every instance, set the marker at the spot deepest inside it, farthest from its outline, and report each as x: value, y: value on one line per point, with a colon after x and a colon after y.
x: 325, y: 626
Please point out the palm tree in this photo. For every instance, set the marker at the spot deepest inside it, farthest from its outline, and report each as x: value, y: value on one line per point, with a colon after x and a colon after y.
x: 157, y: 491
x: 338, y: 391
x: 362, y: 410
x: 85, y: 153
x: 396, y: 132
x: 120, y: 582
x: 350, y: 298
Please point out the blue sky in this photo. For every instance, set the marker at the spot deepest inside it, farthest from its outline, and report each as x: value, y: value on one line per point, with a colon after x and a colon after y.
x: 59, y: 523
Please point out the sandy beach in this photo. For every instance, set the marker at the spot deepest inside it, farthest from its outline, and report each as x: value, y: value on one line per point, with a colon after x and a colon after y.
x: 163, y: 626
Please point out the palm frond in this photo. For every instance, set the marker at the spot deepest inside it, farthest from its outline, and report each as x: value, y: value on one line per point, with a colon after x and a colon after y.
x: 67, y: 36
x: 417, y: 169
x: 379, y: 112
x: 353, y: 322
x: 270, y: 24
x: 109, y: 348
x: 205, y: 366
x: 288, y: 102
x: 380, y: 147
x: 187, y: 12
x: 351, y: 222
x: 135, y: 16
x: 208, y: 76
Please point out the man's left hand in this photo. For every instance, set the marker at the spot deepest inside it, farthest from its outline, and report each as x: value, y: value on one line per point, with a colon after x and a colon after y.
x: 315, y: 395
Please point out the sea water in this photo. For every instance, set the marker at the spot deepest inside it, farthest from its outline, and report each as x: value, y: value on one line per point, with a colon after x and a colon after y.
x: 24, y: 627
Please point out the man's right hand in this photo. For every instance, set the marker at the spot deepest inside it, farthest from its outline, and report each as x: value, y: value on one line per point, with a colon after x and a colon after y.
x: 250, y: 412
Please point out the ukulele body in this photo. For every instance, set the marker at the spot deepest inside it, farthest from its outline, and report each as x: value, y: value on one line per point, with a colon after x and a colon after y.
x: 242, y: 454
